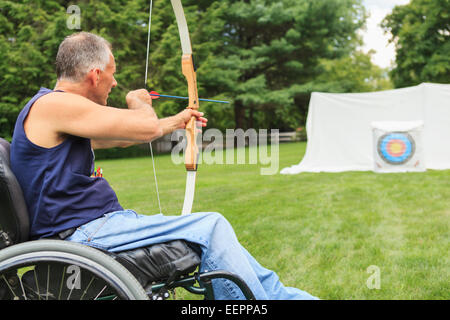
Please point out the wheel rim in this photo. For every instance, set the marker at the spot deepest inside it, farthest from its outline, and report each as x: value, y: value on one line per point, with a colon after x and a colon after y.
x: 65, y: 276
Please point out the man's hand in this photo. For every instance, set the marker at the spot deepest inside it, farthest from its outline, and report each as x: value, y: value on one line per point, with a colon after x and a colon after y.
x: 186, y: 115
x: 138, y: 99
x: 180, y: 120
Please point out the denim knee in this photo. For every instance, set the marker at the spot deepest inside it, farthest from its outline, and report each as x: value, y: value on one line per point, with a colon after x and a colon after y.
x: 220, y: 220
x: 214, y: 216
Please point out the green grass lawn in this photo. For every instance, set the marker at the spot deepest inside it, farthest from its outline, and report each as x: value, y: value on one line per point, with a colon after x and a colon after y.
x: 319, y: 231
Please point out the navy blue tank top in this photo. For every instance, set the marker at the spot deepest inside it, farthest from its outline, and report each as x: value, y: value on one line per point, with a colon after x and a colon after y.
x: 57, y: 184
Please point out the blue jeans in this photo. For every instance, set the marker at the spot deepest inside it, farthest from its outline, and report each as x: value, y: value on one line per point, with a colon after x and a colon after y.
x: 124, y: 230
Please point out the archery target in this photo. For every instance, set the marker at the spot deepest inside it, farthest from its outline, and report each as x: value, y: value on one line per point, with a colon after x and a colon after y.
x: 397, y: 147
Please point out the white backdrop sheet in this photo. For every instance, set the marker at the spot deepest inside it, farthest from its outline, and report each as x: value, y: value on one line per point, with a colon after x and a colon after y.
x: 339, y: 129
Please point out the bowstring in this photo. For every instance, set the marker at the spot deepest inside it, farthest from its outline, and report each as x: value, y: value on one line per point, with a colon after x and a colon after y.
x: 145, y: 83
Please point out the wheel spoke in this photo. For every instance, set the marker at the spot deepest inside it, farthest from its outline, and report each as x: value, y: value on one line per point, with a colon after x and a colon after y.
x: 37, y: 283
x: 100, y: 292
x: 23, y: 290
x: 12, y: 291
x: 62, y: 283
x: 48, y: 281
x: 89, y: 285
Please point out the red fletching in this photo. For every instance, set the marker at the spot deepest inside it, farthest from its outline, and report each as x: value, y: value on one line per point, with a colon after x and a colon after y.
x: 154, y: 94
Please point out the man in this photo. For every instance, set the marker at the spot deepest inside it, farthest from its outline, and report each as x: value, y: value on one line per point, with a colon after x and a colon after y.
x: 51, y: 155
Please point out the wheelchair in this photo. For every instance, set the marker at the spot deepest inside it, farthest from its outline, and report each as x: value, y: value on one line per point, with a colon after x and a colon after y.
x: 55, y: 269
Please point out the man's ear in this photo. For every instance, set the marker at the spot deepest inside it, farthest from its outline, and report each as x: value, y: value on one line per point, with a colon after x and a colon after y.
x: 94, y: 77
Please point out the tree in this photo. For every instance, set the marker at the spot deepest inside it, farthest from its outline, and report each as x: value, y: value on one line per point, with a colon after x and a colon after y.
x: 31, y: 31
x: 352, y: 73
x: 421, y: 33
x: 275, y: 46
x: 25, y: 50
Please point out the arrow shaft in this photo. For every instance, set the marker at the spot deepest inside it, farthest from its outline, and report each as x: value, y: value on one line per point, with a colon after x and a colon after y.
x: 186, y: 98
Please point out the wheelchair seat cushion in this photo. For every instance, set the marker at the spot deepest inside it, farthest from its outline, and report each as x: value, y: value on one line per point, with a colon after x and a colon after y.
x: 160, y: 262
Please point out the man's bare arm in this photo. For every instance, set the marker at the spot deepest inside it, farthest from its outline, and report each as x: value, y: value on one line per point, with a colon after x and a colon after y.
x: 167, y: 125
x: 59, y: 114
x: 106, y: 144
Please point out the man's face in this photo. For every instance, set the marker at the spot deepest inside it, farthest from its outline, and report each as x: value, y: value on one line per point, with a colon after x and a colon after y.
x: 105, y: 83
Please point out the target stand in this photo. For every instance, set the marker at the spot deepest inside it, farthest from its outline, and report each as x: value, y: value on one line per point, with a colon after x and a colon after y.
x: 397, y: 146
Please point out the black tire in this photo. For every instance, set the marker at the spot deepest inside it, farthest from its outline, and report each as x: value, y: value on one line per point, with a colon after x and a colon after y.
x: 26, y: 269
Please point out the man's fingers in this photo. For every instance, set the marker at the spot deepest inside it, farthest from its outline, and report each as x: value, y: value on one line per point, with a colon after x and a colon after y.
x: 138, y: 98
x: 203, y: 121
x: 197, y: 114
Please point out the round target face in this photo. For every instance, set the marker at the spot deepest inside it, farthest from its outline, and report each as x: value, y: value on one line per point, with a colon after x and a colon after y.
x: 396, y: 147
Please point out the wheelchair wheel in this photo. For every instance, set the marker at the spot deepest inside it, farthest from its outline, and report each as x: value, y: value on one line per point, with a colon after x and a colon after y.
x: 63, y: 270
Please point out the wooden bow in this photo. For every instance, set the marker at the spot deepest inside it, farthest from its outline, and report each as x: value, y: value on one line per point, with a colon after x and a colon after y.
x: 188, y: 69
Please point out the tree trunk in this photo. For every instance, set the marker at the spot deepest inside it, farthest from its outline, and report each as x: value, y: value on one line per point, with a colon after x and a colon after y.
x: 239, y: 115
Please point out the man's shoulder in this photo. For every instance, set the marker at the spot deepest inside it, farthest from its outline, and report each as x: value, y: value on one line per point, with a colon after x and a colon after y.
x: 56, y: 99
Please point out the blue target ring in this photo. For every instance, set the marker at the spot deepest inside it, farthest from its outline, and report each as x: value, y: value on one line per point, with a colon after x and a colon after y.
x: 396, y: 147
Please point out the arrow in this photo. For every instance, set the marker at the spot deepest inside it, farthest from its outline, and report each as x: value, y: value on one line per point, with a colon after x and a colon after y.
x: 156, y: 95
